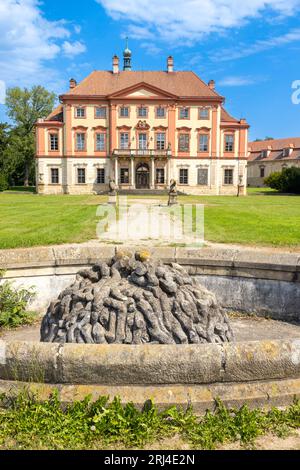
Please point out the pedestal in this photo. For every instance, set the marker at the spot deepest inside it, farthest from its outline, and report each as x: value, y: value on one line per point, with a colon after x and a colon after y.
x: 112, y: 199
x: 172, y: 199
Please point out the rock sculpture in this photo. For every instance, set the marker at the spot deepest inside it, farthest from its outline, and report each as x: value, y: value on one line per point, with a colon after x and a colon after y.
x: 133, y: 300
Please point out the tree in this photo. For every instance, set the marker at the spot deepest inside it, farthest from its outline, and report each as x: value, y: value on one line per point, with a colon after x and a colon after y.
x: 24, y: 108
x: 4, y: 139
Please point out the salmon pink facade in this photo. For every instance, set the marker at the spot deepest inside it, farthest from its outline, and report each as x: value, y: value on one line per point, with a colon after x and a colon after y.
x: 141, y: 129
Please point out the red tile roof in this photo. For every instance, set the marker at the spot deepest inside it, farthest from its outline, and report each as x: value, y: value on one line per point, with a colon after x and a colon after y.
x: 226, y: 117
x: 56, y: 114
x: 180, y: 84
x: 276, y: 146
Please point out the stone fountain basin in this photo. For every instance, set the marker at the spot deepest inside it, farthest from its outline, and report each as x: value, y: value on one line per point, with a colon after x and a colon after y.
x: 259, y: 369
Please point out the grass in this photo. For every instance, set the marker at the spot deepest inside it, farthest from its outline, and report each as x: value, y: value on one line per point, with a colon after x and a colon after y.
x: 263, y: 218
x: 27, y: 423
x: 30, y: 220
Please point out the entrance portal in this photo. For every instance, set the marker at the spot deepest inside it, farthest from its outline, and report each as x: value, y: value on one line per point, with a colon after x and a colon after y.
x: 142, y: 176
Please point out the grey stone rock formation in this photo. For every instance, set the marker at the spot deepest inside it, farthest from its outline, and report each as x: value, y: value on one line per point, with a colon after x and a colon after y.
x: 134, y: 300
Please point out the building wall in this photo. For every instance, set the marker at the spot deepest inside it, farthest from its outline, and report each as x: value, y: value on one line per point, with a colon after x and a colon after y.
x: 68, y: 159
x: 255, y: 180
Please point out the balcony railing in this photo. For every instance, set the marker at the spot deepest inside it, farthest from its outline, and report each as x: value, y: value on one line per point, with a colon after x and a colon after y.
x: 142, y: 153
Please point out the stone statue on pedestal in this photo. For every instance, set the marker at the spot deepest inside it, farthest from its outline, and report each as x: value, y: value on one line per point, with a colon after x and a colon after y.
x: 173, y: 193
x: 112, y: 194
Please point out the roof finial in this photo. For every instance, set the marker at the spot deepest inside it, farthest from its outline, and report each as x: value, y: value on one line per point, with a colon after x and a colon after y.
x: 127, y: 57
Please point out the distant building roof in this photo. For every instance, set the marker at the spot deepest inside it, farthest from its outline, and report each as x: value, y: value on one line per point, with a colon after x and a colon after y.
x: 275, y: 149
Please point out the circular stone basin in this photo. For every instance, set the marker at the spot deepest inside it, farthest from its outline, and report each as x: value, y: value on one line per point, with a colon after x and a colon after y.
x: 245, y: 328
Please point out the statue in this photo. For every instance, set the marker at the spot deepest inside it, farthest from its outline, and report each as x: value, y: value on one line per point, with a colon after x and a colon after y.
x: 134, y: 299
x: 112, y: 194
x: 173, y: 193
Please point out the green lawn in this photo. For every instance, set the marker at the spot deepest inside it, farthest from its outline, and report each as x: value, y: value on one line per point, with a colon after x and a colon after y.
x: 262, y: 218
x: 30, y: 220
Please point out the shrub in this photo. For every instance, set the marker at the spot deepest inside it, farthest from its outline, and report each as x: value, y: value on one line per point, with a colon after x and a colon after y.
x: 13, y: 303
x: 286, y: 181
x: 3, y: 182
x: 274, y: 180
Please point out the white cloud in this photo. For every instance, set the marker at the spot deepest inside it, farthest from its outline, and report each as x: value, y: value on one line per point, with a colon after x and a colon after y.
x: 28, y: 42
x: 173, y: 20
x: 73, y: 49
x: 238, y: 81
x: 151, y: 48
x: 244, y: 50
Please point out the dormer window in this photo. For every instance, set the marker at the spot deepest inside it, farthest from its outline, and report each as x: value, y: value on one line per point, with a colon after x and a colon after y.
x: 286, y: 152
x: 264, y: 154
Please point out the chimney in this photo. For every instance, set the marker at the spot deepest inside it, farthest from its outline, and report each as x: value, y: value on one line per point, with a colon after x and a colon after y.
x: 115, y: 64
x: 212, y: 84
x: 170, y: 64
x: 73, y: 83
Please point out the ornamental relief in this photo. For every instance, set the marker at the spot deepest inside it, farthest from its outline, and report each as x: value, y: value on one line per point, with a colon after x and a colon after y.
x: 142, y: 125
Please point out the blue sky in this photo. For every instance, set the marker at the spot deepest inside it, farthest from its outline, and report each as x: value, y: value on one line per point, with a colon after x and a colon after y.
x: 251, y: 48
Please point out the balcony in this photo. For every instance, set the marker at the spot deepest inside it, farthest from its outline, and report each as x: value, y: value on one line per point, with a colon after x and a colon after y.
x: 142, y: 153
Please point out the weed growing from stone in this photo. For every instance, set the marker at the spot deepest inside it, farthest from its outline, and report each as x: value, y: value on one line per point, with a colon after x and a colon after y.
x: 13, y: 303
x: 27, y: 423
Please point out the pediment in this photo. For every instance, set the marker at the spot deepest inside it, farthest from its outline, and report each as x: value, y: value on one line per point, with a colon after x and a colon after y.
x: 144, y: 91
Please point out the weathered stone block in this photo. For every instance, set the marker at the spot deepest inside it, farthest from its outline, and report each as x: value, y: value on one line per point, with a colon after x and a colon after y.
x: 29, y: 361
x: 145, y: 364
x: 261, y: 360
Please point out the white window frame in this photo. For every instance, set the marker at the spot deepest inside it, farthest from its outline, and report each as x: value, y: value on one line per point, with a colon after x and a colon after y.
x: 83, y: 174
x: 184, y: 178
x: 51, y: 175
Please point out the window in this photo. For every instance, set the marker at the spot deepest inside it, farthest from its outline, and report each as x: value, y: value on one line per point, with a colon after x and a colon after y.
x: 286, y: 152
x: 184, y: 176
x: 100, y: 175
x: 53, y: 142
x: 184, y: 142
x: 203, y: 113
x: 81, y: 175
x: 54, y: 176
x: 262, y: 171
x: 100, y: 142
x: 124, y: 175
x: 160, y: 112
x: 229, y: 143
x: 142, y: 111
x: 80, y: 141
x: 142, y: 141
x: 100, y: 112
x: 264, y: 154
x: 160, y: 141
x: 160, y: 175
x: 124, y: 111
x: 184, y: 113
x: 124, y: 140
x: 203, y: 176
x: 203, y: 143
x: 228, y: 176
x: 80, y: 112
